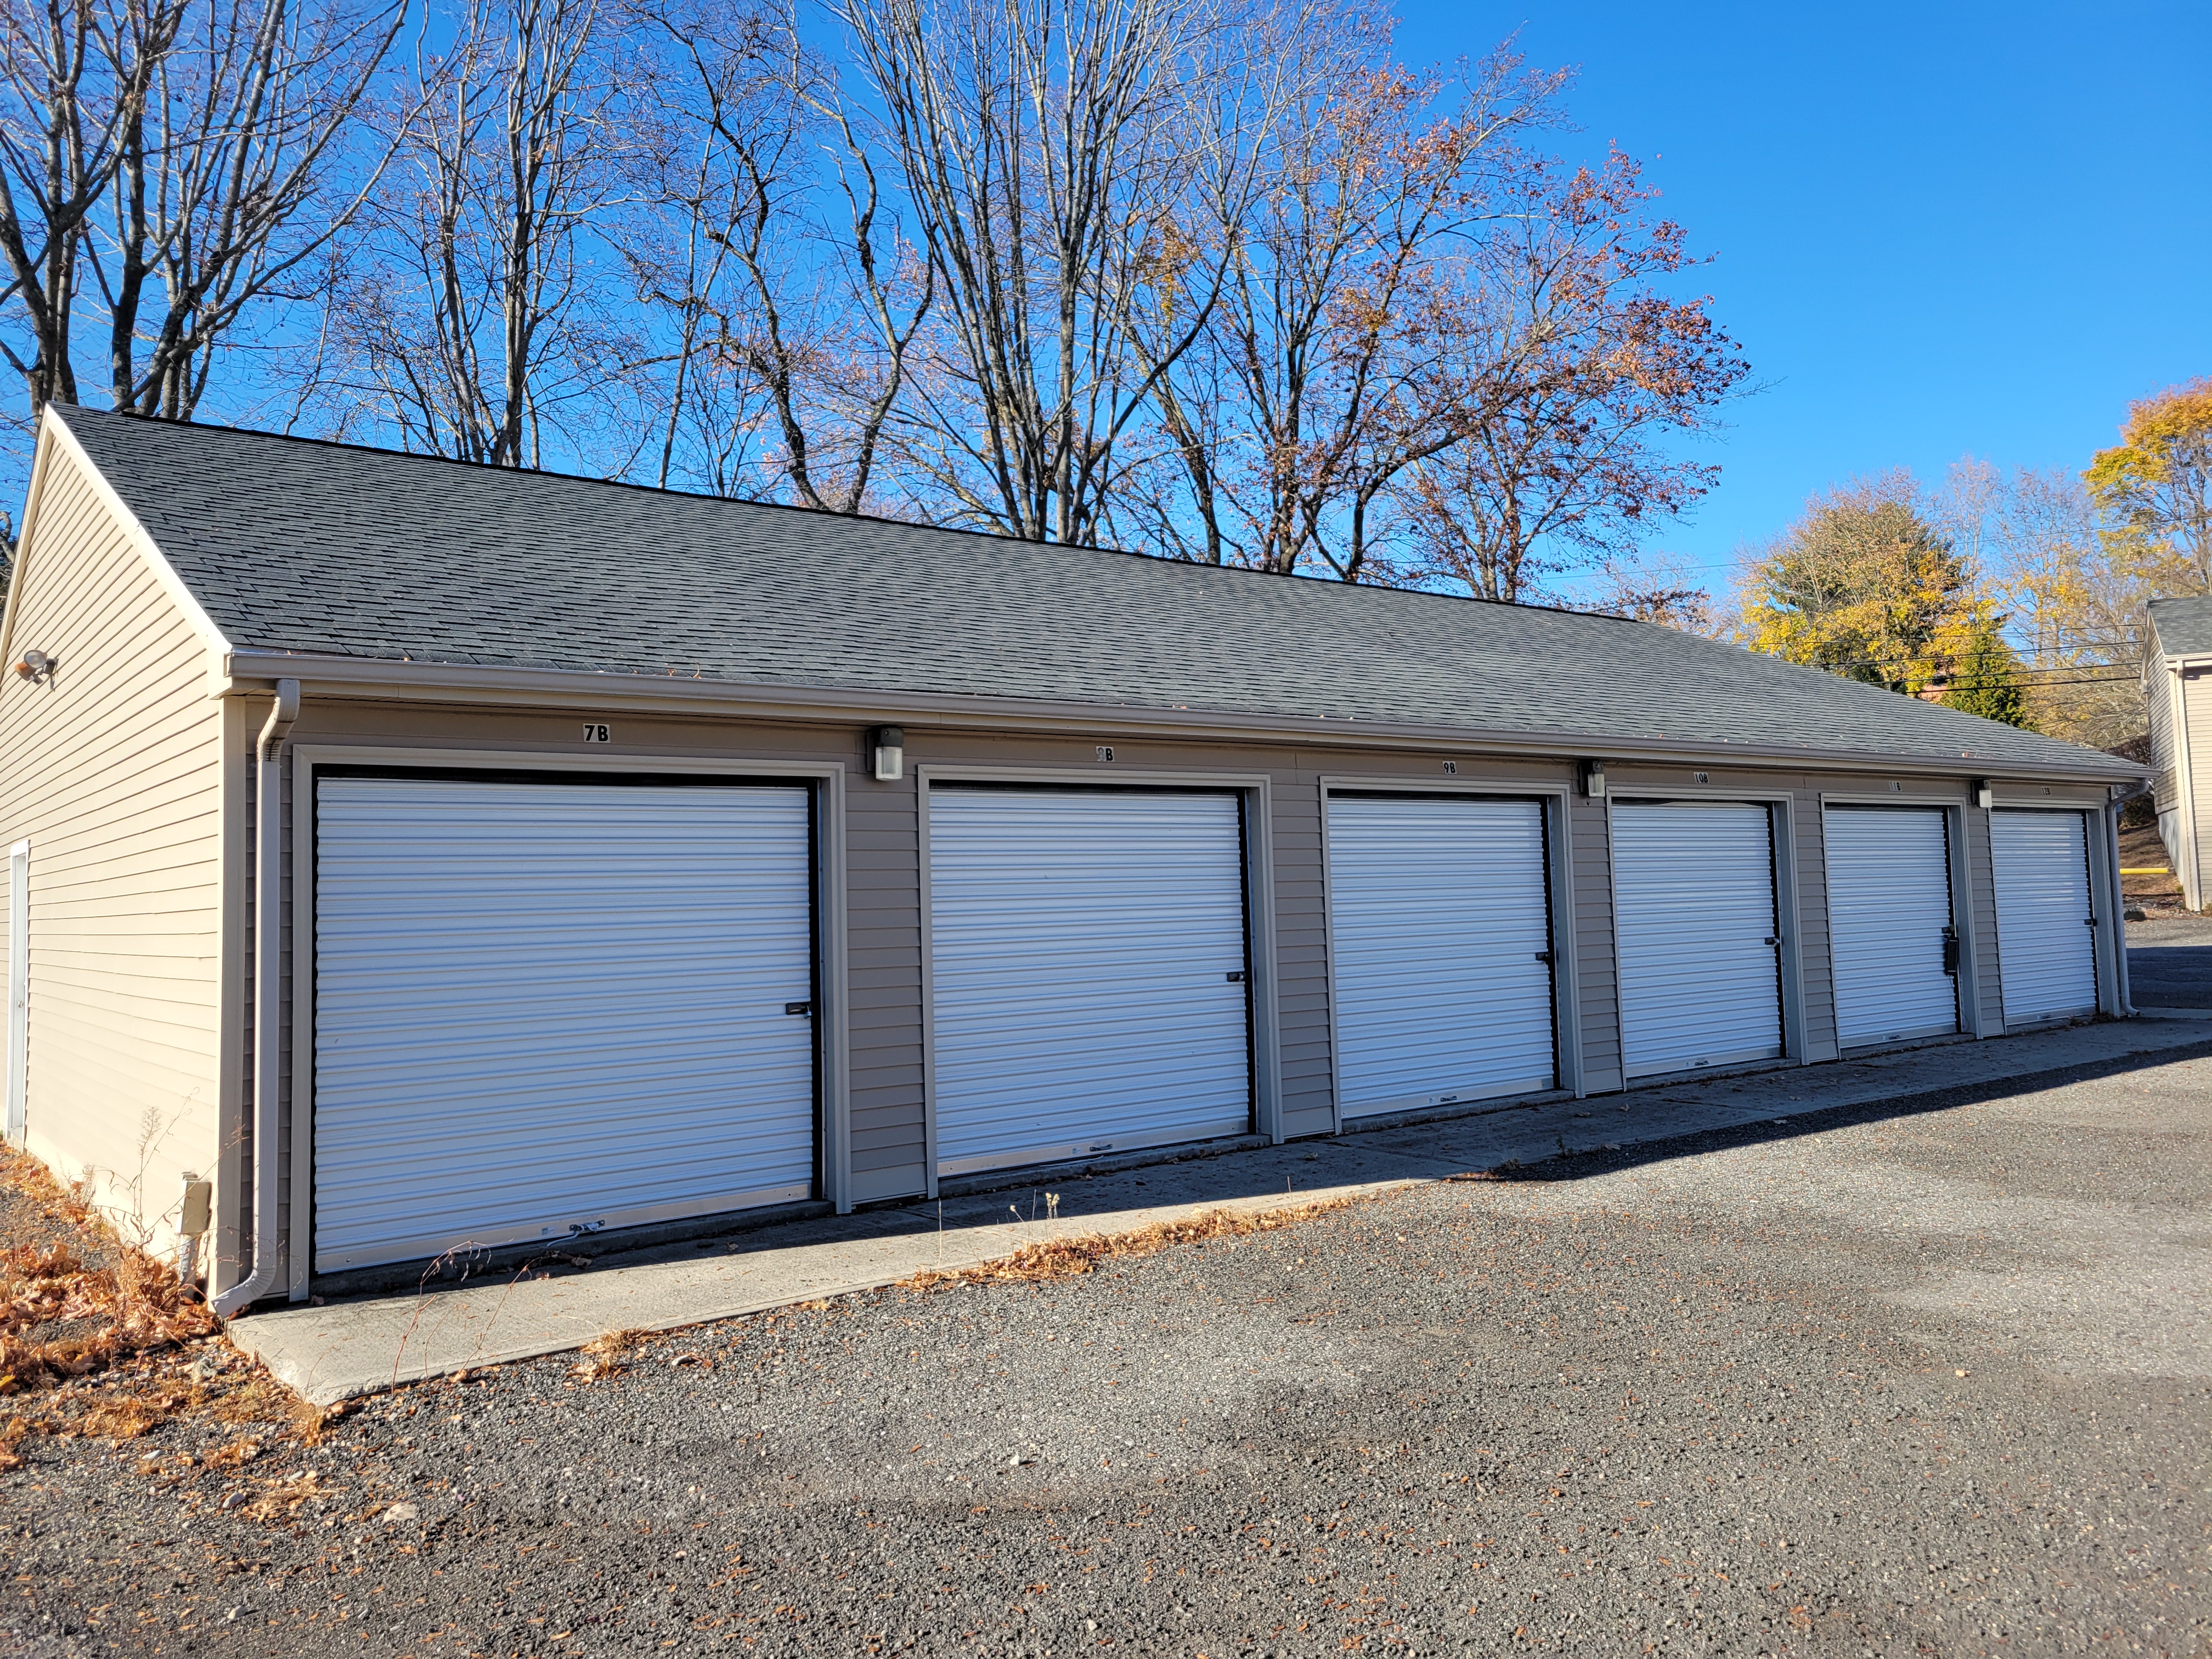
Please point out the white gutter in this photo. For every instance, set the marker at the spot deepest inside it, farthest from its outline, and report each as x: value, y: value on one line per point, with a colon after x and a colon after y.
x: 268, y: 990
x: 547, y: 690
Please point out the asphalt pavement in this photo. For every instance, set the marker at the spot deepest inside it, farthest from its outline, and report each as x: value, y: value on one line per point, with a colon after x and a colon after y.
x: 1862, y: 1380
x: 2169, y: 962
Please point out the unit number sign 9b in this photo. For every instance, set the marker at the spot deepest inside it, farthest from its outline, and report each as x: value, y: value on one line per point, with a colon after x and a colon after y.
x: 596, y: 731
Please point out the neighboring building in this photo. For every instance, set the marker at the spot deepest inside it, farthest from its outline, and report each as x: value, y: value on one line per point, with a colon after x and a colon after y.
x: 447, y: 858
x: 2177, y: 686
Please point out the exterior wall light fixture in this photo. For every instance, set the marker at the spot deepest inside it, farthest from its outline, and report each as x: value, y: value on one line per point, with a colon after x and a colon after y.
x: 888, y: 745
x: 1594, y: 779
x: 36, y: 666
x: 1985, y: 796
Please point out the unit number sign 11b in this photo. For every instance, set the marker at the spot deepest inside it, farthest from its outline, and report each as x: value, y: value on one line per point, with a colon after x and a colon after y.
x: 596, y: 731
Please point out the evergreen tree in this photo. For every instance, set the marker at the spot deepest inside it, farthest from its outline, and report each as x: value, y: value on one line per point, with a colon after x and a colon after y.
x: 1986, y: 681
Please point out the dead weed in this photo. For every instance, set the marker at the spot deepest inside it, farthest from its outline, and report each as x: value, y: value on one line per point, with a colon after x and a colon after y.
x: 237, y: 1454
x: 607, y: 1355
x: 1069, y: 1258
x: 129, y: 1418
x: 134, y: 1306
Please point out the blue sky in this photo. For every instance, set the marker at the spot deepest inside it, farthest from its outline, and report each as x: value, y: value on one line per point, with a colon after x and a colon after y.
x: 1936, y: 228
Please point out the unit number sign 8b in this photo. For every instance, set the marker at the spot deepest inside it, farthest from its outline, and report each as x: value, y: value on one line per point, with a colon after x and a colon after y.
x: 596, y: 731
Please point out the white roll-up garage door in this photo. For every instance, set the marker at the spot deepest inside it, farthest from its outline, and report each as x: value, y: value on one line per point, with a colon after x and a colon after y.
x: 1699, y: 947
x: 1087, y: 967
x: 1889, y: 922
x: 1440, y: 950
x: 2046, y: 949
x: 542, y: 1006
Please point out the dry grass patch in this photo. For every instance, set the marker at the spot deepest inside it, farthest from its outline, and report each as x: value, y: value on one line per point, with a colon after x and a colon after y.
x: 1068, y: 1258
x: 236, y: 1455
x: 608, y: 1356
x: 128, y: 1418
x: 61, y: 1317
x: 83, y: 1304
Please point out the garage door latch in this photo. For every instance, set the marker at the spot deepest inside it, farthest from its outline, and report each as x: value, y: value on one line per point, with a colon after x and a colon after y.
x: 1951, y: 951
x: 798, y: 1007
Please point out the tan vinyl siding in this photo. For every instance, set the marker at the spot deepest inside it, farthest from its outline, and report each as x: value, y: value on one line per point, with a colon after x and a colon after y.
x: 883, y: 965
x: 1816, y: 978
x: 2194, y: 691
x: 2161, y: 688
x: 1302, y: 955
x: 113, y: 774
x: 1982, y: 873
x: 1595, y: 970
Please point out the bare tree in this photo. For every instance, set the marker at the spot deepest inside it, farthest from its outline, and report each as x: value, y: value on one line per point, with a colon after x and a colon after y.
x: 486, y: 318
x: 1575, y: 372
x: 225, y: 163
x: 1658, y: 588
x: 1051, y: 152
x: 67, y: 86
x: 793, y: 297
x: 2075, y: 600
x: 1307, y: 394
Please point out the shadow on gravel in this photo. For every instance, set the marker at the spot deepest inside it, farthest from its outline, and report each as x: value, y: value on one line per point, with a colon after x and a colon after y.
x: 1578, y: 1166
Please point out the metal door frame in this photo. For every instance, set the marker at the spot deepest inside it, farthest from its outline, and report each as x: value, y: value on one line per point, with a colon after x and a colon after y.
x: 832, y: 1022
x: 1263, y: 986
x: 1954, y: 808
x: 1781, y: 837
x: 1555, y: 800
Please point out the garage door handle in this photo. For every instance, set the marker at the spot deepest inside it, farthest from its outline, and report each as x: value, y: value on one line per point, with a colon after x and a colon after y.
x: 1774, y: 939
x: 1544, y: 957
x: 1237, y: 978
x: 798, y: 1007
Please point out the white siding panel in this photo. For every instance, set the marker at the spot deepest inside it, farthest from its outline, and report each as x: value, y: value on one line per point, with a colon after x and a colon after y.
x: 1700, y: 969
x: 542, y: 1005
x: 2046, y: 948
x: 1082, y: 946
x: 1889, y: 898
x: 1441, y: 937
x: 17, y: 953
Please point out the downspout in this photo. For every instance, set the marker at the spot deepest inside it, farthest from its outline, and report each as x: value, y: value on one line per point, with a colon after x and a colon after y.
x: 268, y: 990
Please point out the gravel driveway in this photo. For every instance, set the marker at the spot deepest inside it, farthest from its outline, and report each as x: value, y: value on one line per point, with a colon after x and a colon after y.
x: 1843, y: 1385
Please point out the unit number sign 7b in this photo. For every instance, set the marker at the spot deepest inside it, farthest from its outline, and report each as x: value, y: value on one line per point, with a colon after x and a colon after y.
x: 596, y: 731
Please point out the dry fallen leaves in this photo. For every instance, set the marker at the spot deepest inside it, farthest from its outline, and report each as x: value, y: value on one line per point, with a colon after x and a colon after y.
x: 236, y: 1455
x: 1065, y: 1258
x: 107, y: 1314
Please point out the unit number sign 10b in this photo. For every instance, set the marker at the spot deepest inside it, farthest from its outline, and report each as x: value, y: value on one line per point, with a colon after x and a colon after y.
x: 596, y: 731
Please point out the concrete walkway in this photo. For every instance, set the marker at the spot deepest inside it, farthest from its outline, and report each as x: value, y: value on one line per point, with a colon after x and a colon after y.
x: 349, y: 1348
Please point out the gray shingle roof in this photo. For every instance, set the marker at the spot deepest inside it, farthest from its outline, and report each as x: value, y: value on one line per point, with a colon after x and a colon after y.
x: 317, y: 548
x: 2183, y: 626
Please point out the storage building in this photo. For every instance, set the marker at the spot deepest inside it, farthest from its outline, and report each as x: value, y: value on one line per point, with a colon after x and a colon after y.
x: 441, y: 858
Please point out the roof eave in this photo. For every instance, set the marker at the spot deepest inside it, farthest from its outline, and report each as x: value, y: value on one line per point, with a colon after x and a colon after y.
x: 387, y: 680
